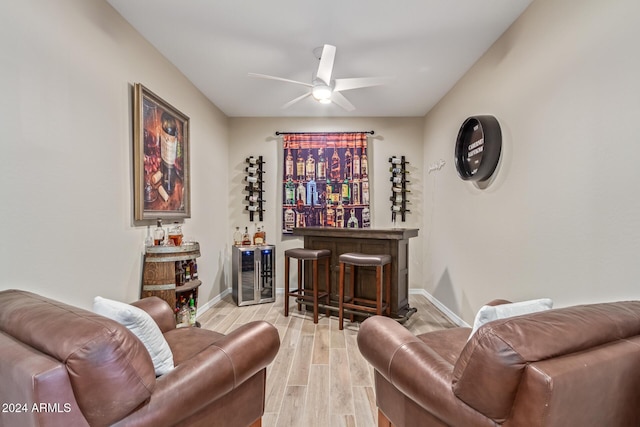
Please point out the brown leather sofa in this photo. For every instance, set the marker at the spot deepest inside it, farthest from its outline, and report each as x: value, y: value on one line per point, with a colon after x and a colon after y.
x: 65, y: 366
x: 575, y: 366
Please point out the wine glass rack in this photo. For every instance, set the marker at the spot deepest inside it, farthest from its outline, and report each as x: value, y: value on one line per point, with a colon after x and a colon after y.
x: 399, y: 188
x: 254, y: 182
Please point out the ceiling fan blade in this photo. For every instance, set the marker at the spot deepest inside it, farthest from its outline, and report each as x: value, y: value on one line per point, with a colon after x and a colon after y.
x: 264, y: 76
x: 358, y: 82
x: 326, y: 63
x: 293, y: 101
x: 343, y: 102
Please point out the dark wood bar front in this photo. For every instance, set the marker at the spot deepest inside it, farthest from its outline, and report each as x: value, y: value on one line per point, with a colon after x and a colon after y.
x: 392, y: 241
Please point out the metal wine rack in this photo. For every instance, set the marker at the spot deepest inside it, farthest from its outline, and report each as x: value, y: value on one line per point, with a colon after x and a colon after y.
x: 399, y: 188
x: 254, y: 182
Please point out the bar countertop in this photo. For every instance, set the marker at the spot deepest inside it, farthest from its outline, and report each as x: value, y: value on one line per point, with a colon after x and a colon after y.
x: 358, y: 233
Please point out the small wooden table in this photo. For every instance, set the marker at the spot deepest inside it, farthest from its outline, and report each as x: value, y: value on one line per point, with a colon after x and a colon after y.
x: 392, y: 241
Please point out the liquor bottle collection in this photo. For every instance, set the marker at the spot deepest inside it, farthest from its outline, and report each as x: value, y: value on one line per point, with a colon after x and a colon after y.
x: 254, y: 181
x: 244, y: 238
x: 325, y: 186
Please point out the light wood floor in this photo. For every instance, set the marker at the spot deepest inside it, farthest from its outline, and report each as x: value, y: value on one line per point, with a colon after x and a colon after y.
x: 318, y: 378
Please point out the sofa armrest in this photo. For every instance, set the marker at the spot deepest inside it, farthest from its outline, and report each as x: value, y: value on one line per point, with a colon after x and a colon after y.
x: 495, y: 302
x: 209, y: 375
x: 413, y: 368
x: 160, y: 312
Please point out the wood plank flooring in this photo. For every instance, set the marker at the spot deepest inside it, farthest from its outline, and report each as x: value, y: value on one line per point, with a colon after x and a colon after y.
x: 318, y: 378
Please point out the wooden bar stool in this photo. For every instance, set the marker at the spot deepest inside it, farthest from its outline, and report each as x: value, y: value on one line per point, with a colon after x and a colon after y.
x: 302, y: 293
x: 377, y: 306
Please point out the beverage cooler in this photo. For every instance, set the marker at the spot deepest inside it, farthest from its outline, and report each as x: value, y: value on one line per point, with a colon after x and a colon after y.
x: 253, y: 274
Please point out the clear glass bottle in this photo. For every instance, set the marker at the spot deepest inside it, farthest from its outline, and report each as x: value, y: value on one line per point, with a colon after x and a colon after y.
x: 158, y: 233
x: 237, y: 237
x: 175, y: 234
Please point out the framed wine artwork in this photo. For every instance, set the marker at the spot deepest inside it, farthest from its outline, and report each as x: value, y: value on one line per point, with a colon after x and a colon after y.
x: 161, y: 158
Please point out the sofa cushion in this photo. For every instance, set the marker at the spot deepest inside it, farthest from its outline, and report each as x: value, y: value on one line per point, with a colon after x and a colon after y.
x: 489, y: 313
x: 142, y: 325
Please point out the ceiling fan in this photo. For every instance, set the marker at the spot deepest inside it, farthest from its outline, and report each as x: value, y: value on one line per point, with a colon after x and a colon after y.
x: 325, y: 90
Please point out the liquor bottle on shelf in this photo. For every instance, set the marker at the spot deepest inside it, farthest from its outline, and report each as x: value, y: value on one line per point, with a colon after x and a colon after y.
x: 259, y: 237
x: 289, y: 219
x: 254, y: 198
x: 311, y: 167
x: 252, y: 169
x: 346, y: 192
x: 158, y: 233
x: 252, y: 179
x: 237, y: 237
x: 356, y: 164
x: 395, y: 160
x: 252, y: 208
x: 194, y: 269
x: 301, y: 192
x: 180, y: 278
x: 300, y: 166
x: 365, y: 192
x: 187, y: 271
x: 290, y: 193
x: 192, y: 311
x: 289, y: 164
x: 246, y: 240
x: 312, y: 193
x: 148, y: 241
x: 340, y: 216
x: 252, y: 160
x: 364, y: 167
x: 335, y: 166
x: 355, y: 193
x: 348, y: 164
x: 353, y: 221
x: 321, y: 166
x: 366, y: 217
x: 175, y: 234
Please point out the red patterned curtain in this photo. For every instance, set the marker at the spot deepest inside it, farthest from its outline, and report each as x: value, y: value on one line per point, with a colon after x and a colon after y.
x: 325, y: 180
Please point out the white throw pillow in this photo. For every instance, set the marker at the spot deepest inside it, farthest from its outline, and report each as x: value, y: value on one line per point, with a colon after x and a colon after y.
x: 143, y: 326
x: 488, y: 313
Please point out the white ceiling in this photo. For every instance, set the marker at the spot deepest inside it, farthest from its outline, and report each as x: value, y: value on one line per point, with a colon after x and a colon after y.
x: 427, y: 45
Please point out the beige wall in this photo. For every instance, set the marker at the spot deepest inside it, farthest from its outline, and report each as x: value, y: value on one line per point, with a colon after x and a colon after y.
x: 67, y: 68
x: 562, y: 217
x: 393, y: 136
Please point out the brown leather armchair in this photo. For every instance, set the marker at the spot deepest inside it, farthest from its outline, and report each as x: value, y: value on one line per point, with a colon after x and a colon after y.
x: 575, y: 366
x: 64, y: 366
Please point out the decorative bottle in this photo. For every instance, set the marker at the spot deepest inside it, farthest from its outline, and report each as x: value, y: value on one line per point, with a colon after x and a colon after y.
x: 237, y: 237
x: 158, y: 233
x: 168, y: 150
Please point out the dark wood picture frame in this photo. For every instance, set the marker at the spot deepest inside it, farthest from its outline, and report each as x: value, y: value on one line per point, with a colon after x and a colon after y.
x: 161, y: 158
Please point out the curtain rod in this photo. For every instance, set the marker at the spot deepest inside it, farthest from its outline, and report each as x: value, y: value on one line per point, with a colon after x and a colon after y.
x: 278, y: 133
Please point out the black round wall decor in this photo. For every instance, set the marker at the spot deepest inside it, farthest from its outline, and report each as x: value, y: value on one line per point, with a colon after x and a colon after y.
x: 478, y: 148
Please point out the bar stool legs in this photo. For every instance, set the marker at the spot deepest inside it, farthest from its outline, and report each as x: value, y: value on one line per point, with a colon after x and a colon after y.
x: 383, y: 284
x: 315, y: 256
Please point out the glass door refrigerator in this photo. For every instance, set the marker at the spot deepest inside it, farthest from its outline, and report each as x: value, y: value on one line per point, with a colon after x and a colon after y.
x: 253, y: 274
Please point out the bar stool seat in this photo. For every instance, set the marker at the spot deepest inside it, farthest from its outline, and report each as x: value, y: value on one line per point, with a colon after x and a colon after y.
x: 383, y: 284
x: 309, y: 294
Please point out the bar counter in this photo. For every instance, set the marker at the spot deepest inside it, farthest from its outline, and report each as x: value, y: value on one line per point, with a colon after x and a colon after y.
x: 392, y: 241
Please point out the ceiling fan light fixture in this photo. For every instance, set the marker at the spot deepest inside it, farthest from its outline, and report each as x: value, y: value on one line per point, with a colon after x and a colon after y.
x: 321, y: 92
x: 325, y: 101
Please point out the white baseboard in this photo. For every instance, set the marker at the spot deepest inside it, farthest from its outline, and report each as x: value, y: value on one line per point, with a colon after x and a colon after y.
x: 206, y: 306
x: 443, y: 308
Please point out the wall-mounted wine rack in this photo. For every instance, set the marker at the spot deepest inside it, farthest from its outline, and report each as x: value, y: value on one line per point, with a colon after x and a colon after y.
x: 254, y: 181
x: 399, y: 188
